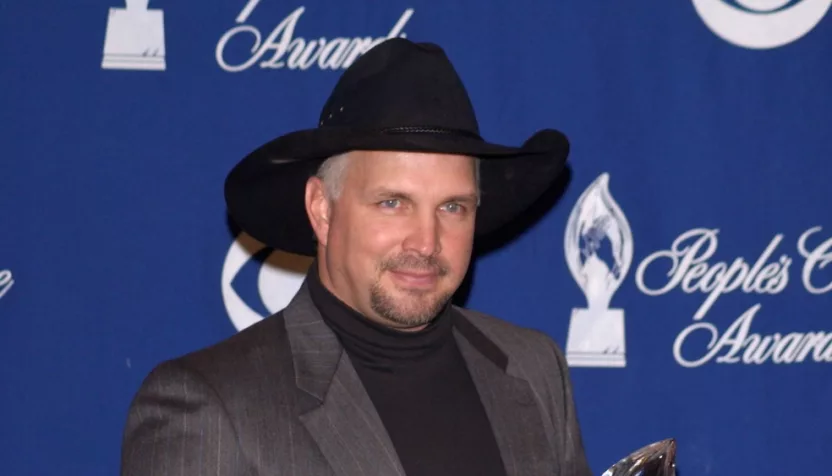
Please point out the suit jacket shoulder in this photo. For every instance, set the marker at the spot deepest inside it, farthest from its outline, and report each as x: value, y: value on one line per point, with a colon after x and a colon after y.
x: 195, y: 412
x: 243, y: 353
x: 535, y: 357
x: 536, y: 354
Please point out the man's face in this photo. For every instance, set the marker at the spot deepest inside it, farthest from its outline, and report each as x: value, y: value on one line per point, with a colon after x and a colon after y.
x: 397, y: 242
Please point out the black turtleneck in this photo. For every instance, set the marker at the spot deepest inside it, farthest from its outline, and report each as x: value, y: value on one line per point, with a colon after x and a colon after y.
x: 421, y: 388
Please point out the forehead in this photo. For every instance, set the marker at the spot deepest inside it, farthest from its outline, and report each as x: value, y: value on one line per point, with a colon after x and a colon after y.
x: 416, y: 168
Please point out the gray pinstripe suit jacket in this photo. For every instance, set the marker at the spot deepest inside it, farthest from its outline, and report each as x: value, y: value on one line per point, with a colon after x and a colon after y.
x: 281, y: 398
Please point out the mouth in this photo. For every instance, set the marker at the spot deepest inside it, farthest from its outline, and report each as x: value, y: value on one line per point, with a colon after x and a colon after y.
x: 417, y: 279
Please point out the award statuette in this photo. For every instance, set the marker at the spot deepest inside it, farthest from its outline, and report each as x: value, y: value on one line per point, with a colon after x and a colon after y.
x: 599, y: 250
x: 6, y: 281
x: 135, y: 38
x: 655, y: 459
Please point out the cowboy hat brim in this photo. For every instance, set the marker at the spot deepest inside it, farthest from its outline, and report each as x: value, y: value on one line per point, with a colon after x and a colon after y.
x: 265, y: 191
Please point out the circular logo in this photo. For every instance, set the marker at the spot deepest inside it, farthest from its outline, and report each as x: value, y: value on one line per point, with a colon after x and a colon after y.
x: 278, y: 279
x: 761, y: 24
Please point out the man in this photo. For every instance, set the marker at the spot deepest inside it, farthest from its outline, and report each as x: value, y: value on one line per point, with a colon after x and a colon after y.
x: 370, y: 370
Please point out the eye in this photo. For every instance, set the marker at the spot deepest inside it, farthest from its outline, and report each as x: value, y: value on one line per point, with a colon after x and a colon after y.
x: 454, y: 208
x: 391, y: 203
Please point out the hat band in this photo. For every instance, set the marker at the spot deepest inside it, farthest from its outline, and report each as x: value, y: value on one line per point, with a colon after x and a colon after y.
x: 430, y: 130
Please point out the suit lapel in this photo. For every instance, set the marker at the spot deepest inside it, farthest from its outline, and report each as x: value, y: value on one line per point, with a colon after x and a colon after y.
x: 349, y: 431
x: 510, y: 403
x: 344, y: 423
x: 341, y: 418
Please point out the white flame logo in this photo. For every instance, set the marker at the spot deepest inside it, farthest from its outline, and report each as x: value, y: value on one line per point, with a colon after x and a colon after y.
x: 597, y: 216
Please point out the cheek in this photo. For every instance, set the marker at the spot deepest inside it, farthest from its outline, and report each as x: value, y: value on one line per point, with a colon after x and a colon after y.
x: 379, y: 237
x: 457, y: 245
x: 373, y: 241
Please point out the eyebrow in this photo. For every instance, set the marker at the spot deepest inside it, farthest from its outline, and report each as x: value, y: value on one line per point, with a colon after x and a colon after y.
x: 468, y: 197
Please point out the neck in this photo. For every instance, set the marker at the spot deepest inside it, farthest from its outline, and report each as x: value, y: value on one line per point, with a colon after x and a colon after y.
x: 374, y: 344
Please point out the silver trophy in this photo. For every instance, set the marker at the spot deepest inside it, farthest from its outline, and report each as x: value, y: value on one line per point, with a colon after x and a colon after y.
x: 655, y: 459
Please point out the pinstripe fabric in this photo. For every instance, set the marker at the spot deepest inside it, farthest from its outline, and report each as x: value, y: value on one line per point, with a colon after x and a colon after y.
x: 530, y: 403
x: 281, y: 398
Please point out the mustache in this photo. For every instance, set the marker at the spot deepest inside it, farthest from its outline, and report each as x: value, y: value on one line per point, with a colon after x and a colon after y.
x: 416, y: 263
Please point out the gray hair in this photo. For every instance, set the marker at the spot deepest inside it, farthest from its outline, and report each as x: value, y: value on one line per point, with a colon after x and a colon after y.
x: 332, y: 172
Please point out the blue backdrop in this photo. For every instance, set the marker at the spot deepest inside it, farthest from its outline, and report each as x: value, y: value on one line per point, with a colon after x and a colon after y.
x: 685, y: 268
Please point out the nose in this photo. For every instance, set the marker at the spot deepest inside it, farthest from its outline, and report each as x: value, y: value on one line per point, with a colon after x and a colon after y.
x: 424, y: 236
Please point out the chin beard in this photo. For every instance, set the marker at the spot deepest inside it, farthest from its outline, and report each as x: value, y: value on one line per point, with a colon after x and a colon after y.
x: 411, y: 314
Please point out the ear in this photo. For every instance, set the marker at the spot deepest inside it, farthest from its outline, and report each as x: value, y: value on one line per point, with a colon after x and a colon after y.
x: 317, y: 208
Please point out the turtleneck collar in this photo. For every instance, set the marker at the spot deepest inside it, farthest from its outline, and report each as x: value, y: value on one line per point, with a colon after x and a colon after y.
x: 372, y: 344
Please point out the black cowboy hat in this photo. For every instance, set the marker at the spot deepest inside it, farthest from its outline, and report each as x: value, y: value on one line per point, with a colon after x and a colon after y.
x: 398, y: 96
